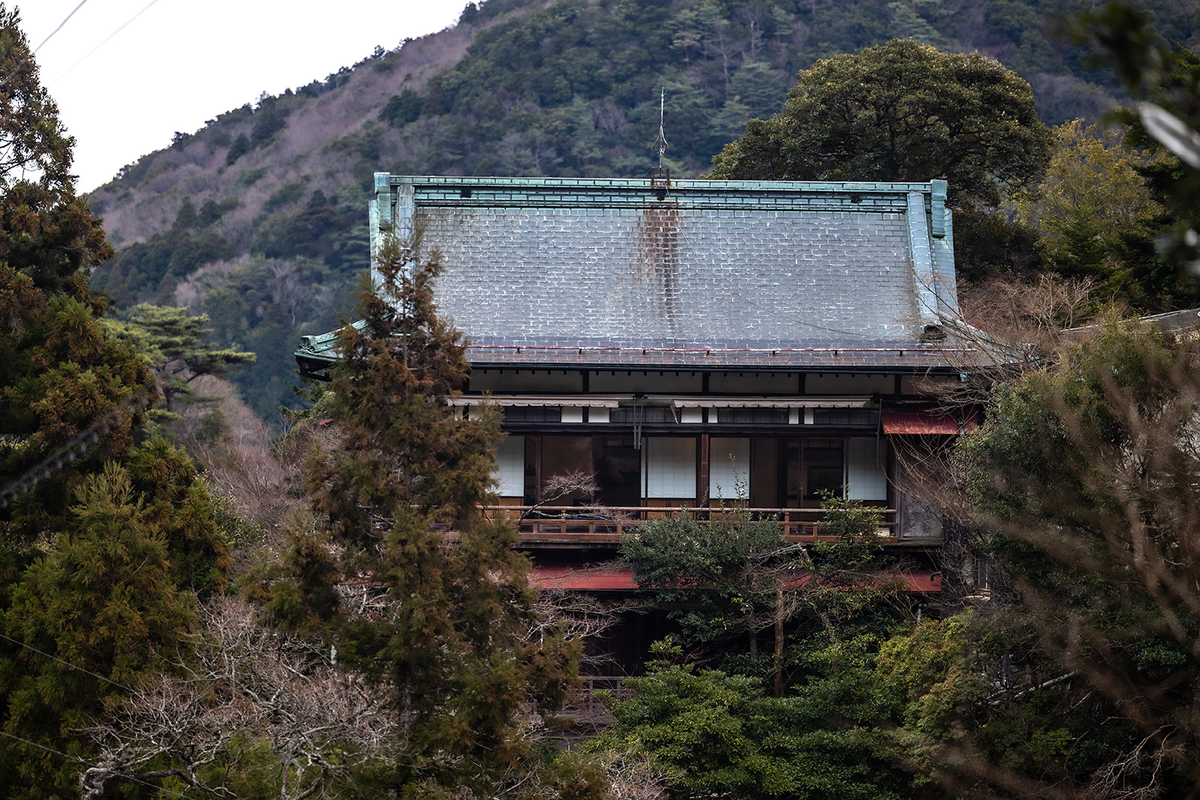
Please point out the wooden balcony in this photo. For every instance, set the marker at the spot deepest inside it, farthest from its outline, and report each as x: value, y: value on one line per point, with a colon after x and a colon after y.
x: 571, y: 526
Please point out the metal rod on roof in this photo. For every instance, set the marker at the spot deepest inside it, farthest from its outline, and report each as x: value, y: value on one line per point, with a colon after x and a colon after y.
x: 662, y: 130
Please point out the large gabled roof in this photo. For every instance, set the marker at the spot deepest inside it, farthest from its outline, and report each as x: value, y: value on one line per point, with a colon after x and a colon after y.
x: 651, y: 273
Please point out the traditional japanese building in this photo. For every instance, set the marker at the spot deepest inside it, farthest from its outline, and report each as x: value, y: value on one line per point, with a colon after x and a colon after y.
x: 692, y: 344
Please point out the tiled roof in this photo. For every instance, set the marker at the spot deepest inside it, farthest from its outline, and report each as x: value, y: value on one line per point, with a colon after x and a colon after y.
x: 692, y: 274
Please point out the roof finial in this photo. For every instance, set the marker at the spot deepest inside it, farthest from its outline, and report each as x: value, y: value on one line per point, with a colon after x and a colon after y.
x: 662, y: 133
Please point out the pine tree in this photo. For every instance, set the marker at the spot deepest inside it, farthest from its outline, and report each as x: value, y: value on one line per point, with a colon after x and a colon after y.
x: 399, y: 496
x: 172, y: 341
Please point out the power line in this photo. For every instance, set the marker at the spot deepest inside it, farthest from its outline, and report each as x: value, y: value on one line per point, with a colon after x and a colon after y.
x: 87, y: 55
x: 56, y: 30
x: 86, y: 763
x: 68, y: 756
x: 29, y: 55
x: 77, y: 448
x: 68, y: 663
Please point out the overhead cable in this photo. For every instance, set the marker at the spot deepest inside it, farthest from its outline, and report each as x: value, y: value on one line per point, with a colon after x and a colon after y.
x: 60, y: 27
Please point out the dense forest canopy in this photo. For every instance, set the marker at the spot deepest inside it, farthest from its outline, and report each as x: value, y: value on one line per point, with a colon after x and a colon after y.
x: 258, y: 219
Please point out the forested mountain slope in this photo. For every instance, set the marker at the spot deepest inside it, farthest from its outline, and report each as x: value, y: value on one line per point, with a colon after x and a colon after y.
x: 259, y: 219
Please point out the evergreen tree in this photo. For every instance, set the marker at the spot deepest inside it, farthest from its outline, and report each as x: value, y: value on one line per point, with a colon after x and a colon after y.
x: 46, y: 232
x: 172, y: 341
x: 898, y: 112
x: 62, y: 380
x: 718, y: 579
x: 714, y: 734
x: 905, y: 111
x: 102, y: 538
x: 444, y: 608
x: 1165, y: 80
x: 93, y: 614
x: 1096, y: 218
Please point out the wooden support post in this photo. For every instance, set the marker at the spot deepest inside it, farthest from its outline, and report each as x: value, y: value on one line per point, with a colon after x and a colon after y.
x: 536, y: 443
x: 702, y: 477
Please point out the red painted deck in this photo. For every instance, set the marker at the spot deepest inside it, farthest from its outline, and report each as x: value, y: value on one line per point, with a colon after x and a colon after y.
x: 603, y: 578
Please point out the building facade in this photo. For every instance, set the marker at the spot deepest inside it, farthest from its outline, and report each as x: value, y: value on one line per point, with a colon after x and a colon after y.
x: 657, y: 345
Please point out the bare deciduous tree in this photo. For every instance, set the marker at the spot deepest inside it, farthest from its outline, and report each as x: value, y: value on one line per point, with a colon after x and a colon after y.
x: 244, y: 680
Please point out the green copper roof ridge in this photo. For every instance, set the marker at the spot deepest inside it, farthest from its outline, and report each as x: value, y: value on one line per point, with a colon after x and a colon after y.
x: 682, y: 185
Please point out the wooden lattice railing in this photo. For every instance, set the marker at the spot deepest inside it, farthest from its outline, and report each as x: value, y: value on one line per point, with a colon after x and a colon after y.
x: 606, y: 524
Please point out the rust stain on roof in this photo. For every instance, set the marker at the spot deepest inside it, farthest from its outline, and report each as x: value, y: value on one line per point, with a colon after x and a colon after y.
x: 656, y: 260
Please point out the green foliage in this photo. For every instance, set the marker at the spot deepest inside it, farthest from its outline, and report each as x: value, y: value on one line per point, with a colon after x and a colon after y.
x: 1165, y: 80
x: 987, y: 244
x: 1085, y: 471
x: 732, y: 577
x: 716, y: 578
x: 249, y: 177
x: 405, y: 471
x: 142, y: 270
x: 239, y: 148
x: 719, y: 580
x: 60, y: 375
x: 979, y: 705
x: 715, y: 734
x: 172, y: 342
x: 566, y: 88
x: 268, y: 122
x: 46, y: 232
x: 301, y: 286
x: 267, y: 304
x: 901, y: 111
x: 930, y: 675
x: 965, y: 705
x: 1097, y: 219
x: 1091, y: 174
x: 107, y: 538
x: 104, y: 600
x: 311, y: 232
x: 849, y: 520
x: 35, y: 142
x: 573, y: 88
x: 402, y: 109
x: 286, y: 195
x: 179, y: 505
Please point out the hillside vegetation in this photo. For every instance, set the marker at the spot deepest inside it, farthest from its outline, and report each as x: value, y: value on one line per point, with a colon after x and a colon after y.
x: 259, y: 218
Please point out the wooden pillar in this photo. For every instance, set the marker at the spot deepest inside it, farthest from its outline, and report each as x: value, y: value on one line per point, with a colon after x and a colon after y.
x: 702, y: 474
x: 535, y: 447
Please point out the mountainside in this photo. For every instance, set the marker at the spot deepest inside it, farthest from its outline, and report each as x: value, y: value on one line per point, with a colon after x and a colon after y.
x: 259, y: 219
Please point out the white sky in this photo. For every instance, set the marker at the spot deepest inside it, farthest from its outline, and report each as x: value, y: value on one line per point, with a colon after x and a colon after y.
x: 183, y: 62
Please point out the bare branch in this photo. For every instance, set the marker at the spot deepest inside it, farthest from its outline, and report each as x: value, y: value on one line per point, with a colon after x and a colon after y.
x: 244, y: 680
